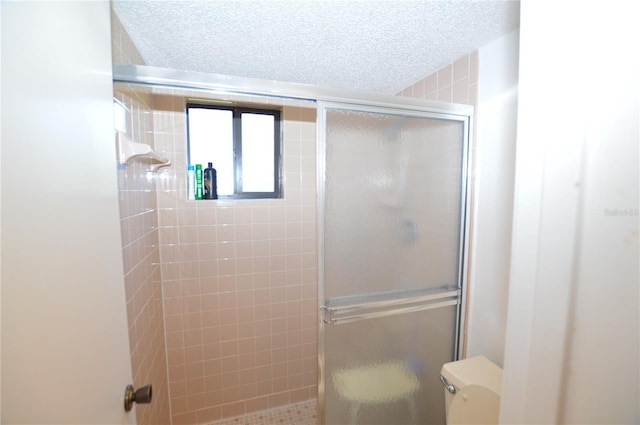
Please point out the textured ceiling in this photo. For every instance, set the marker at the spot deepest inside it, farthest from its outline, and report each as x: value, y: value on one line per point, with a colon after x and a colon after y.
x: 381, y: 46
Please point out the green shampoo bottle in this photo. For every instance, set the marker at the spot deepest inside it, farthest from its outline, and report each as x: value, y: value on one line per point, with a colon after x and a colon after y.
x: 199, y: 186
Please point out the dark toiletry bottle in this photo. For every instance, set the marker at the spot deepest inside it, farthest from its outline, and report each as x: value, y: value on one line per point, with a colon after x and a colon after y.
x: 210, y: 182
x: 199, y: 192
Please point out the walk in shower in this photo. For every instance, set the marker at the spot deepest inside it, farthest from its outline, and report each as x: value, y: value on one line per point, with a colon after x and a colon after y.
x: 387, y: 217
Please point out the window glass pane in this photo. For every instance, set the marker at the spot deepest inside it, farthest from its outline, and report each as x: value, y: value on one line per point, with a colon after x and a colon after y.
x: 211, y: 140
x: 258, y: 153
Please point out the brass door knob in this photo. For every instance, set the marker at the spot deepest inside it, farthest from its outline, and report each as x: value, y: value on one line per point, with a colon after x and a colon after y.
x: 141, y: 396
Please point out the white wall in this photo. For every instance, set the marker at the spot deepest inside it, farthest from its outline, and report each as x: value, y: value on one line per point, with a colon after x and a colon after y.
x: 572, y: 347
x: 0, y: 222
x: 0, y: 226
x: 493, y: 197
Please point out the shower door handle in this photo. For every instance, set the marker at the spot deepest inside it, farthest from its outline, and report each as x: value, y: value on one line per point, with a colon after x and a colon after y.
x: 336, y: 311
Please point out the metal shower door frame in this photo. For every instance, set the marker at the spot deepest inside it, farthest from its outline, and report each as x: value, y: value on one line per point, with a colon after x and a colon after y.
x: 460, y: 294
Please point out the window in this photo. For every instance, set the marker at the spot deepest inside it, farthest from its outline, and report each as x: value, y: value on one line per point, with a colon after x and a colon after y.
x: 242, y: 143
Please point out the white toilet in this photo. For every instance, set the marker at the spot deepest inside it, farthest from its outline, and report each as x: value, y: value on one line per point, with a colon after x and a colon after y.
x: 473, y: 388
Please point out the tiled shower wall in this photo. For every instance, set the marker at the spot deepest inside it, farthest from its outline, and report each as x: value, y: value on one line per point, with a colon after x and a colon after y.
x: 456, y: 82
x: 239, y: 277
x: 139, y: 229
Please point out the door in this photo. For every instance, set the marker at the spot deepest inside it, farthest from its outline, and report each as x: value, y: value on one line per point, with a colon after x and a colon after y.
x: 392, y: 214
x: 65, y: 351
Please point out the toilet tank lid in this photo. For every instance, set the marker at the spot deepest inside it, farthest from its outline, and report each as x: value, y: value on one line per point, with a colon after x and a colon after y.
x: 475, y: 370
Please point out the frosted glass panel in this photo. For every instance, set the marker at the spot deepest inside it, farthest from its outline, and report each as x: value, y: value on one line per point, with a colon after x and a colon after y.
x: 387, y: 371
x: 392, y: 230
x: 392, y: 202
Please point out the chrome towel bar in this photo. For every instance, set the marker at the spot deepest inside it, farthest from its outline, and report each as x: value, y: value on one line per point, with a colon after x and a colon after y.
x: 346, y: 313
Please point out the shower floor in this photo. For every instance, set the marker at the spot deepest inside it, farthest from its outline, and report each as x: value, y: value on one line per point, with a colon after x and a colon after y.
x: 304, y: 413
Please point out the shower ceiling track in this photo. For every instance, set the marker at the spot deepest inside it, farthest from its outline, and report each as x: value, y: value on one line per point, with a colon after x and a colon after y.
x: 225, y: 84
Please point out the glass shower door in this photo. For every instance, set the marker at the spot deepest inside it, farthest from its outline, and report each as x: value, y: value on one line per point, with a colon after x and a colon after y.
x: 392, y: 214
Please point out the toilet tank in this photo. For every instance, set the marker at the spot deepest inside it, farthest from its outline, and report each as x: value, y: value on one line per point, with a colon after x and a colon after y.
x: 472, y: 371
